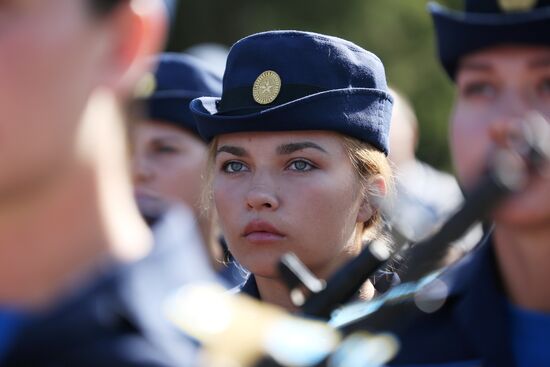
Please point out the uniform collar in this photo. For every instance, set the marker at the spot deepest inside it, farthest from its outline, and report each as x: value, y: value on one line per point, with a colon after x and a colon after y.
x: 250, y: 287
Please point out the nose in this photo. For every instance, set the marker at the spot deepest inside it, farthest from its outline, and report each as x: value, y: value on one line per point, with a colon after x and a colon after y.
x: 505, y: 131
x: 261, y: 198
x: 506, y: 128
x: 142, y: 170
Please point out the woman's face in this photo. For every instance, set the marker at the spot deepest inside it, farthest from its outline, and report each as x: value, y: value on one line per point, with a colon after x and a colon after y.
x: 497, y: 88
x: 168, y: 163
x: 287, y: 191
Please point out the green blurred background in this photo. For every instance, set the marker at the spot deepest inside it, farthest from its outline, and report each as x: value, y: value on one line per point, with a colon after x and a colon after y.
x: 398, y: 31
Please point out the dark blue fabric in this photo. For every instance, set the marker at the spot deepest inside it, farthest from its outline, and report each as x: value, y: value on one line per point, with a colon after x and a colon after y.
x: 117, y: 320
x: 484, y: 24
x: 249, y: 287
x: 471, y: 329
x: 531, y: 336
x: 179, y: 79
x: 326, y: 84
x: 232, y: 274
x: 10, y: 323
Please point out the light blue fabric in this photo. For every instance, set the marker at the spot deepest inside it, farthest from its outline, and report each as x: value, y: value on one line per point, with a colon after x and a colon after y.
x: 530, y: 337
x: 172, y: 6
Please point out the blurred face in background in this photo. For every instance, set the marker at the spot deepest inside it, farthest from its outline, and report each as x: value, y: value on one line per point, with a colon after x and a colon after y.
x: 52, y: 54
x: 496, y: 89
x: 168, y: 164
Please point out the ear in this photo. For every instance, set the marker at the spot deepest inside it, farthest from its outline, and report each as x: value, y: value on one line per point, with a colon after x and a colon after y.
x: 137, y: 30
x: 375, y: 191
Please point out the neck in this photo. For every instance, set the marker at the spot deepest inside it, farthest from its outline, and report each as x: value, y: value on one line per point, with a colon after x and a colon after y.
x: 274, y: 291
x: 61, y: 232
x: 523, y: 259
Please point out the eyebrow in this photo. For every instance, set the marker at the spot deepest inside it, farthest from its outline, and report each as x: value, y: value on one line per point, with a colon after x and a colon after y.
x: 162, y: 139
x: 237, y: 151
x: 475, y: 66
x: 541, y: 62
x: 293, y: 147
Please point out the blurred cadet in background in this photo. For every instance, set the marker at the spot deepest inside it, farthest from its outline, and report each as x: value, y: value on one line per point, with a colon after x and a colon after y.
x: 298, y: 154
x: 425, y: 197
x: 168, y: 154
x: 72, y: 242
x: 496, y: 303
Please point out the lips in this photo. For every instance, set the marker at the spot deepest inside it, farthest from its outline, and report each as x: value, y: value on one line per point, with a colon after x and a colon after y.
x: 258, y: 231
x: 150, y: 204
x: 141, y: 192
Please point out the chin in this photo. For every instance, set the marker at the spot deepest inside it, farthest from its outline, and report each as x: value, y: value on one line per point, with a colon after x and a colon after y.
x: 265, y: 268
x: 528, y: 209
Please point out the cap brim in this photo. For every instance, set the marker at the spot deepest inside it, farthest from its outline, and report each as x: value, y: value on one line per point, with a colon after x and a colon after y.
x: 171, y: 109
x: 358, y: 112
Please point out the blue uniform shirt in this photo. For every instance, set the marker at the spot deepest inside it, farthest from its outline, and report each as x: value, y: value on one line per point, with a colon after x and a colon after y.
x: 472, y: 328
x: 10, y: 322
x: 531, y: 335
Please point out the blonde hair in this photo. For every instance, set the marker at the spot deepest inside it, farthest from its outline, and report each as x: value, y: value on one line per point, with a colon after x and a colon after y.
x: 369, y: 162
x: 206, y: 197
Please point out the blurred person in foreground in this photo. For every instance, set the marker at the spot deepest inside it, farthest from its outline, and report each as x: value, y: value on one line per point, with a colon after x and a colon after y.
x: 72, y: 242
x: 495, y: 304
x: 168, y: 154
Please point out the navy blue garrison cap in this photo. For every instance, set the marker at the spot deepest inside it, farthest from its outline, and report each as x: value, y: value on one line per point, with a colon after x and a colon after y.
x: 291, y: 80
x: 179, y: 79
x: 487, y: 23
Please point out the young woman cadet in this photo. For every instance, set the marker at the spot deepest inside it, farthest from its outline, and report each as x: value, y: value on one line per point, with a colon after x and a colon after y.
x: 298, y: 153
x: 498, y: 309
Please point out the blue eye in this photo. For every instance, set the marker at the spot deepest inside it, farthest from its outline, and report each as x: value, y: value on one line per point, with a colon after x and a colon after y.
x: 233, y: 167
x: 301, y: 165
x: 479, y: 89
x: 165, y: 149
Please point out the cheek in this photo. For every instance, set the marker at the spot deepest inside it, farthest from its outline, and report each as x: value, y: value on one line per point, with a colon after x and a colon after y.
x: 469, y: 144
x: 180, y: 176
x: 228, y: 201
x: 45, y: 82
x: 324, y: 213
x: 46, y: 62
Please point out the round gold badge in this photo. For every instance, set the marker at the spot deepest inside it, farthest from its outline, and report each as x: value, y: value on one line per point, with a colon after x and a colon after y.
x: 266, y: 87
x: 145, y: 86
x: 516, y: 5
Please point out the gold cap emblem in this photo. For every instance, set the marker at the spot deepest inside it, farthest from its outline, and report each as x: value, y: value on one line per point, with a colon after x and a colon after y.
x: 516, y: 5
x: 145, y: 86
x: 266, y: 87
